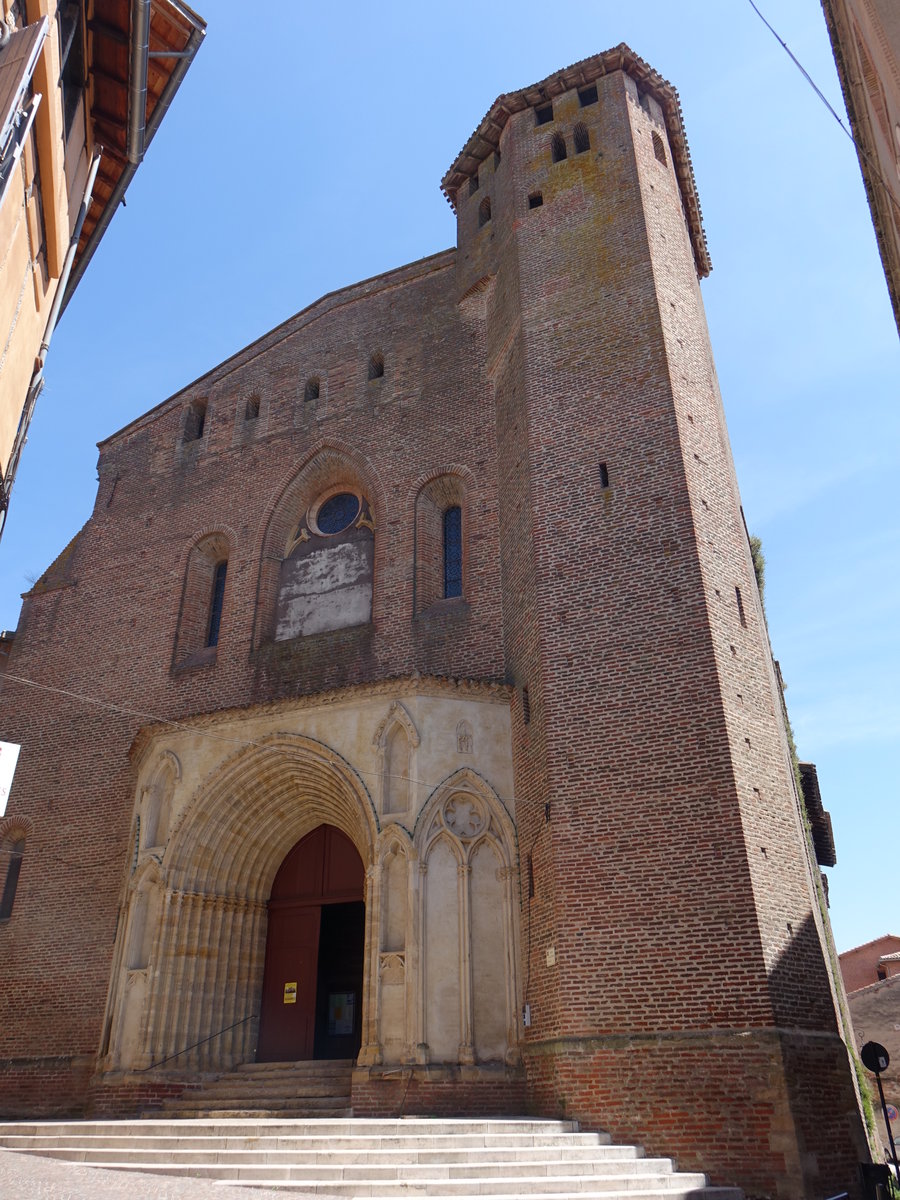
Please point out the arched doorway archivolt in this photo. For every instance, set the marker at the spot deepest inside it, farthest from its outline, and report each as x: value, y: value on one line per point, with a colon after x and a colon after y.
x: 224, y: 850
x: 236, y: 830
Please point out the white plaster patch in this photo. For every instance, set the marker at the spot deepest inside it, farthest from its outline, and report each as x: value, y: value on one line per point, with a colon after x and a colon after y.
x: 330, y: 589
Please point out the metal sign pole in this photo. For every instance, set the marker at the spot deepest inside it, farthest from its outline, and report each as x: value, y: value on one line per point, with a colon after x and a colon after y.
x: 877, y: 1059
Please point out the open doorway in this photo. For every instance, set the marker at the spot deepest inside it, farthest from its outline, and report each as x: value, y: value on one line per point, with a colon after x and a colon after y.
x: 312, y: 986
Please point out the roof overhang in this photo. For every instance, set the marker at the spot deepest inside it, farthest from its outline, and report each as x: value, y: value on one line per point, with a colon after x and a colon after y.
x: 819, y: 818
x: 138, y: 52
x: 486, y: 138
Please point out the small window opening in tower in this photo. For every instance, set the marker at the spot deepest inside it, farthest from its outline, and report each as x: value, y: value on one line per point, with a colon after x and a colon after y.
x: 587, y: 96
x: 881, y: 971
x: 659, y: 149
x: 484, y: 211
x: 453, y: 557
x: 14, y: 852
x: 311, y: 391
x: 251, y: 412
x: 558, y: 148
x: 216, y: 602
x: 376, y: 366
x: 582, y: 138
x: 604, y: 476
x: 535, y: 200
x: 196, y: 421
x: 740, y: 606
x: 496, y: 159
x: 543, y: 115
x: 473, y: 184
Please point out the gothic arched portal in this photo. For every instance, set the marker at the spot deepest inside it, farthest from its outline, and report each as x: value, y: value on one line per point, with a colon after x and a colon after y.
x: 311, y: 1005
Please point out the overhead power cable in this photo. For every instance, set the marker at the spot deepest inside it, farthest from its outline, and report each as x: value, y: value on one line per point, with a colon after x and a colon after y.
x: 195, y: 731
x: 873, y: 165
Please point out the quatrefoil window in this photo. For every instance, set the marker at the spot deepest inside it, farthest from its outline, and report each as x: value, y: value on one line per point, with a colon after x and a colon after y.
x: 463, y: 815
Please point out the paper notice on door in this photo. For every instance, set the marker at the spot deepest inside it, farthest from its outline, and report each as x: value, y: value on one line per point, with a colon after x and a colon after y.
x: 290, y: 992
x: 341, y: 1007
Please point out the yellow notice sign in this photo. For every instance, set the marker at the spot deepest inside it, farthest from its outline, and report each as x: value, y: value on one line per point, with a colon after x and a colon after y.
x: 290, y: 993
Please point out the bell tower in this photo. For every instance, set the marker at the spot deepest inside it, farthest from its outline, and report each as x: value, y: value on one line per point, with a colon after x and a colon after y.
x: 674, y: 949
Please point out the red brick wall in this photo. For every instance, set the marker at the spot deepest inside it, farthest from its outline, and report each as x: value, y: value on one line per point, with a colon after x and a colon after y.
x: 672, y: 952
x: 859, y: 966
x: 674, y: 896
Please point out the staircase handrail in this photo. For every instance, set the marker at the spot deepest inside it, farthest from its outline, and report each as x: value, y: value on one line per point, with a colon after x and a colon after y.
x: 194, y: 1045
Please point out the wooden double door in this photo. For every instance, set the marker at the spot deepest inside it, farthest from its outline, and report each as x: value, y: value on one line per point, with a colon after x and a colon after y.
x: 312, y: 984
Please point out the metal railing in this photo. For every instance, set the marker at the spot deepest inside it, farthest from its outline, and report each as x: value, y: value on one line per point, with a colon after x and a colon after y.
x: 194, y: 1045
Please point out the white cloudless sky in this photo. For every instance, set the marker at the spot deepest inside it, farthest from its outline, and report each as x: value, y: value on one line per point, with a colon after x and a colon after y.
x: 304, y: 152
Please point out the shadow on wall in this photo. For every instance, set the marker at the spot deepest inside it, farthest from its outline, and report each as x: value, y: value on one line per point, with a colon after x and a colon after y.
x: 818, y: 1070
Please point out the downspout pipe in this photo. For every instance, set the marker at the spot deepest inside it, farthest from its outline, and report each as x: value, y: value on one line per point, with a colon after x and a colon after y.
x: 37, y: 379
x: 168, y: 94
x: 137, y: 92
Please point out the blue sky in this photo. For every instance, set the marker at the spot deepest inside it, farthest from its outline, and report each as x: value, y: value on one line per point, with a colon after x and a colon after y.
x: 305, y: 153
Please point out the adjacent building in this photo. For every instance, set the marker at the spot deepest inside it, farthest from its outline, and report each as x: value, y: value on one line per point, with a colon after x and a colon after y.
x: 872, y: 978
x: 83, y: 89
x: 865, y: 36
x: 407, y: 698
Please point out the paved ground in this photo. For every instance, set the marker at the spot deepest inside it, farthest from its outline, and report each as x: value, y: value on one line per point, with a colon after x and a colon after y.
x: 28, y: 1177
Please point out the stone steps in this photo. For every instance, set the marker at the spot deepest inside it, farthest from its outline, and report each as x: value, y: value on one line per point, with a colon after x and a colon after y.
x: 314, y: 1088
x: 504, y: 1159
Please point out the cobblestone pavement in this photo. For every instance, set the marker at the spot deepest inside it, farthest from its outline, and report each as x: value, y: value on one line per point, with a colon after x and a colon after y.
x: 29, y: 1177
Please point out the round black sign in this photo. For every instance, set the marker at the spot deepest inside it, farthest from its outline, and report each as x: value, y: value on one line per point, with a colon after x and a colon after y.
x: 875, y: 1057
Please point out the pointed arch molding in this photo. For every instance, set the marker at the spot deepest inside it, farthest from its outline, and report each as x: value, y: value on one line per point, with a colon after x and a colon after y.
x: 466, y: 1006
x: 396, y: 715
x: 238, y: 826
x: 328, y: 464
x: 463, y: 781
x: 396, y: 741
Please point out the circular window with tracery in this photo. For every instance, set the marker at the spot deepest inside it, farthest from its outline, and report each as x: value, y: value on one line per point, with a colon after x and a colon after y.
x: 337, y: 513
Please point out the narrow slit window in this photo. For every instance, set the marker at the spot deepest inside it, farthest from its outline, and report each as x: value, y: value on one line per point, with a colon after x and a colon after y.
x: 659, y: 149
x: 529, y: 875
x: 453, y: 552
x: 473, y: 184
x: 543, y: 115
x: 587, y: 96
x: 582, y: 138
x: 484, y: 211
x: 496, y: 159
x: 604, y: 476
x: 535, y: 200
x: 195, y: 423
x: 13, y: 854
x: 740, y: 606
x: 376, y: 366
x: 558, y: 150
x: 311, y: 391
x: 216, y: 603
x: 251, y: 412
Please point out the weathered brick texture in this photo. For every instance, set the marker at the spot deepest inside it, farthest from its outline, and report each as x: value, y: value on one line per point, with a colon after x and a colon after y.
x: 553, y: 376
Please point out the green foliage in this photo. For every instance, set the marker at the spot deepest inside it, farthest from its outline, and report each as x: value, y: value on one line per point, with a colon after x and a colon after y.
x: 864, y: 1093
x: 795, y: 762
x: 759, y: 566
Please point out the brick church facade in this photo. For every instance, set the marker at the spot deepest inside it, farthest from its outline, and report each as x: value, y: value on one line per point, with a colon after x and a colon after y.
x: 408, y: 697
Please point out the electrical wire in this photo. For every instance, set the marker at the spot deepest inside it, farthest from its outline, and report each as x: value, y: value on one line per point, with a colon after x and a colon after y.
x: 197, y: 732
x: 509, y: 801
x: 872, y: 163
